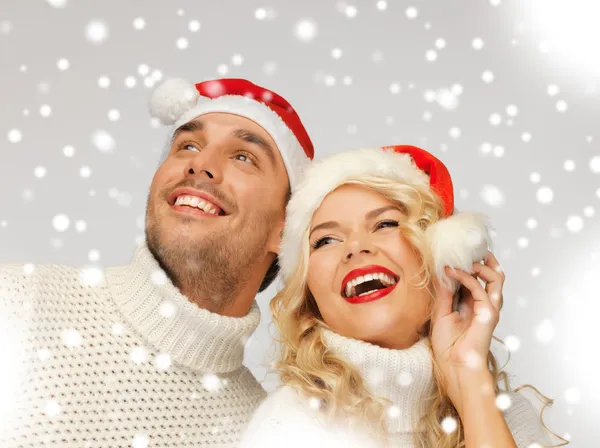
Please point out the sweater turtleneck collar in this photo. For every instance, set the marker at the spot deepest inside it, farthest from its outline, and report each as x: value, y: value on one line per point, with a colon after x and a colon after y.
x: 193, y: 337
x: 405, y: 377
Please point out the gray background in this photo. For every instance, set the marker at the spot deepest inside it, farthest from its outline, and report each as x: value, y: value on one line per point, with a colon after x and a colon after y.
x: 383, y: 89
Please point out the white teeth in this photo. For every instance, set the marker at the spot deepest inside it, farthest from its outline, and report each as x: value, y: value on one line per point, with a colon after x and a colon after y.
x: 194, y: 201
x: 368, y: 292
x: 384, y: 278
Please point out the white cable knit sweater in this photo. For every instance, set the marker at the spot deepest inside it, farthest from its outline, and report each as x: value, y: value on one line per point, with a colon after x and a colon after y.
x: 127, y: 363
x: 287, y: 418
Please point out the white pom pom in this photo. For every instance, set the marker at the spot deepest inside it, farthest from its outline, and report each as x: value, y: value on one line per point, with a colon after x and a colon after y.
x: 171, y: 99
x: 458, y: 241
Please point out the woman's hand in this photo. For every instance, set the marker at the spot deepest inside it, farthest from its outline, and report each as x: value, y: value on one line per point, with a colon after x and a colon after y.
x: 461, y: 339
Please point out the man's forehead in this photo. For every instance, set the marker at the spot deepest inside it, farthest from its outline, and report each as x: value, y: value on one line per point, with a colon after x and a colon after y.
x: 224, y: 119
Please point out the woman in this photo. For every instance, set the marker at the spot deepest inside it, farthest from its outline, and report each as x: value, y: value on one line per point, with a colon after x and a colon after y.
x: 385, y: 329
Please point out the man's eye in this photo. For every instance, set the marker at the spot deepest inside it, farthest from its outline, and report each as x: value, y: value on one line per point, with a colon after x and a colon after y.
x: 244, y: 158
x: 189, y: 147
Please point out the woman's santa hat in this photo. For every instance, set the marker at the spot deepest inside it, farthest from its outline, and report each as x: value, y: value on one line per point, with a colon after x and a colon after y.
x: 458, y: 240
x: 177, y: 102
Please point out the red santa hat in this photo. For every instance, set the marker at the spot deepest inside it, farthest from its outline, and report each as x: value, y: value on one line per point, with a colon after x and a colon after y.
x: 458, y: 240
x: 177, y: 102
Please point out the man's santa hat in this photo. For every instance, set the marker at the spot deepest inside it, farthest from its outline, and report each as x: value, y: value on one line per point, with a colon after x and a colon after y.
x: 458, y: 240
x: 177, y: 102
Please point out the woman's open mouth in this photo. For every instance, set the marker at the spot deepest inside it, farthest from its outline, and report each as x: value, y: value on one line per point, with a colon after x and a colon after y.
x: 368, y: 283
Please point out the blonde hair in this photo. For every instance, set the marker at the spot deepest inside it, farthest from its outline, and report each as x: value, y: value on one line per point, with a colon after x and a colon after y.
x: 305, y: 363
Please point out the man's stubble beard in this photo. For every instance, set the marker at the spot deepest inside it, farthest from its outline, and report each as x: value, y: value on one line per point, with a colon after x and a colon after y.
x: 211, y: 269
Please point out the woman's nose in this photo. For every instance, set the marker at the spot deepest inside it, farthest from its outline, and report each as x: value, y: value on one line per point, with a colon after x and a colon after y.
x: 357, y: 246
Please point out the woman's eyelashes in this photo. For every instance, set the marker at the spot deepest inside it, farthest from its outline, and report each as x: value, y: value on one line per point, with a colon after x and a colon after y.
x: 386, y: 223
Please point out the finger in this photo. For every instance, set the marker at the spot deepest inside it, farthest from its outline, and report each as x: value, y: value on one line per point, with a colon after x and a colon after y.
x: 443, y: 302
x: 494, y: 282
x: 484, y: 310
x: 493, y: 263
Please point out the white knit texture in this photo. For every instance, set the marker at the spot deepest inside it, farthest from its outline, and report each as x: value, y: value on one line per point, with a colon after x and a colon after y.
x: 120, y: 364
x: 286, y: 417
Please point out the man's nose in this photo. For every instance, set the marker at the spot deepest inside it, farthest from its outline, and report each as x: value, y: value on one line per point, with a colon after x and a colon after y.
x: 206, y: 164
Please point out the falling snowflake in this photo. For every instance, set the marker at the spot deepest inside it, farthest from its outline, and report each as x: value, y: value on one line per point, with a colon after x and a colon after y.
x: 503, y: 401
x: 477, y: 43
x: 91, y: 276
x: 72, y: 338
x: 412, y: 12
x: 306, y: 30
x: 572, y: 395
x: 394, y: 412
x: 382, y: 5
x: 404, y: 379
x: 194, y: 26
x: 561, y: 106
x: 44, y: 354
x: 139, y: 23
x: 103, y: 141
x: 431, y: 55
x: 449, y: 425
x: 569, y: 165
x: 447, y: 99
x: 487, y: 76
x: 61, y: 222
x: 182, y: 43
x: 211, y: 382
x: 545, y: 195
x: 314, y: 403
x: 350, y: 11
x: 96, y: 31
x: 45, y: 110
x: 574, y: 223
x: 512, y: 343
x: 63, y: 64
x: 495, y: 119
x: 492, y: 196
x: 162, y: 361
x: 545, y: 331
x: 595, y: 164
x: 114, y: 115
x: 15, y: 136
x: 139, y: 355
x: 80, y: 226
x: 167, y: 309
x: 52, y: 408
x: 104, y: 82
x: 140, y: 441
x: 57, y: 3
x: 85, y: 172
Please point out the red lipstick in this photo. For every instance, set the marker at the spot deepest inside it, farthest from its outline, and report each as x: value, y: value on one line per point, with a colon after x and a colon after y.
x: 365, y: 270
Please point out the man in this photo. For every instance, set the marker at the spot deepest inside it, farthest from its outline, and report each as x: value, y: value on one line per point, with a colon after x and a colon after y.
x: 152, y: 355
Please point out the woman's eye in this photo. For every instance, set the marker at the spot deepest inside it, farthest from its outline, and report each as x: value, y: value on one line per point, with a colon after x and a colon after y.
x: 387, y: 223
x: 190, y: 147
x: 322, y: 242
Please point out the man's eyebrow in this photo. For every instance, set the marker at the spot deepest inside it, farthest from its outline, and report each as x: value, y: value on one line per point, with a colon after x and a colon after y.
x: 251, y: 137
x: 190, y: 126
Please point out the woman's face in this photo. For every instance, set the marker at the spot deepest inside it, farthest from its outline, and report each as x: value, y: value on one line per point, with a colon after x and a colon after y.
x: 361, y: 270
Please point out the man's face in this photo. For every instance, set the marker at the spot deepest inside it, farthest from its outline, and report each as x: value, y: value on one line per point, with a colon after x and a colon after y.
x: 216, y: 205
